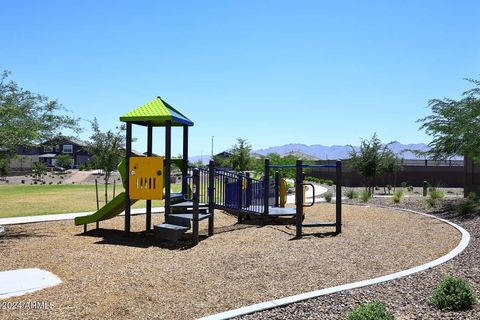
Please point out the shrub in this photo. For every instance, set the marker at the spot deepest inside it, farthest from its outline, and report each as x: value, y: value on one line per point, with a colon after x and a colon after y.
x: 370, y: 311
x: 328, y: 197
x: 22, y: 181
x: 410, y: 188
x: 403, y: 184
x: 473, y: 196
x: 433, y: 198
x: 453, y: 293
x: 466, y: 207
x: 397, y: 196
x: 364, y: 196
x: 377, y: 188
x: 51, y: 182
x: 350, y: 194
x: 328, y: 182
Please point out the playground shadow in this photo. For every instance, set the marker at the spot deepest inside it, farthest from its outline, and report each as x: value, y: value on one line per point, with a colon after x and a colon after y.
x: 19, y: 235
x: 138, y: 239
x: 290, y: 230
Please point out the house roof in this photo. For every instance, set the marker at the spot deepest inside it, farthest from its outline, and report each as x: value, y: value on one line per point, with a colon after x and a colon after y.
x: 156, y: 112
x: 66, y: 139
x: 47, y: 155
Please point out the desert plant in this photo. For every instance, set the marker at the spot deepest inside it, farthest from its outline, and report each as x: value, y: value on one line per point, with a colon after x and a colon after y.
x: 473, y: 196
x: 403, y: 184
x: 328, y: 182
x: 453, y: 293
x: 397, y: 196
x: 466, y: 207
x: 434, y: 196
x: 350, y: 194
x: 22, y: 181
x: 328, y: 196
x: 410, y: 188
x: 389, y: 188
x: 364, y: 196
x: 370, y: 311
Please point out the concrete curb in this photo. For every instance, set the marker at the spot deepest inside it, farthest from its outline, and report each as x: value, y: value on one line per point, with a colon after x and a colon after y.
x: 317, y: 293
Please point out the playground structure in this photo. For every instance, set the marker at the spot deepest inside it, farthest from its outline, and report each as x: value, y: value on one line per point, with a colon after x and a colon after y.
x: 202, y: 189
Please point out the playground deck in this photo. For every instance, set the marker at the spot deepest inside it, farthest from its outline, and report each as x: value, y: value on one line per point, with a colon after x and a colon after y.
x: 240, y: 265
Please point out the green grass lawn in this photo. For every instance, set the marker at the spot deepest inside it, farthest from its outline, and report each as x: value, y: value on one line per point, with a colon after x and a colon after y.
x: 30, y: 200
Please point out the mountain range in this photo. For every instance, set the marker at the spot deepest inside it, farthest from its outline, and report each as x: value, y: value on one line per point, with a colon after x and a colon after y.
x: 321, y: 152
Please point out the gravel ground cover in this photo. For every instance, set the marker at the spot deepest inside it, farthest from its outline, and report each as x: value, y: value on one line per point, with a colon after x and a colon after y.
x: 106, y: 275
x: 409, y: 297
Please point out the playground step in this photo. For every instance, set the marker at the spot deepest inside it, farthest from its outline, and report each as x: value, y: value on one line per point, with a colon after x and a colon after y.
x: 281, y: 212
x: 171, y: 232
x: 180, y: 221
x: 189, y: 216
x: 188, y: 204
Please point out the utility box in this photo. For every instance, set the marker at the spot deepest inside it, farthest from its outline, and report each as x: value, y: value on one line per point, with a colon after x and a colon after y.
x: 146, y: 178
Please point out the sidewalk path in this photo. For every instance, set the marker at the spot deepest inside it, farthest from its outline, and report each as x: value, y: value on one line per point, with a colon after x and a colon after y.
x: 319, y: 190
x: 18, y: 282
x: 63, y: 216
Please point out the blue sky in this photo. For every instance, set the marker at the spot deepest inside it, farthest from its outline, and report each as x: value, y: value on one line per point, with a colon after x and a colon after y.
x: 273, y: 72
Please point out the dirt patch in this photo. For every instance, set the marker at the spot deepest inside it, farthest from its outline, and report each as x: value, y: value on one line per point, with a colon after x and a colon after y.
x: 107, y: 275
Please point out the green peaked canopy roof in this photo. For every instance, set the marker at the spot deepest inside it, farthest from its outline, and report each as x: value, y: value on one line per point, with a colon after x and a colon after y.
x: 156, y: 112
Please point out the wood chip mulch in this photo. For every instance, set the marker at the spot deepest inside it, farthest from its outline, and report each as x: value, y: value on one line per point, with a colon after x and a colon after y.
x: 107, y: 275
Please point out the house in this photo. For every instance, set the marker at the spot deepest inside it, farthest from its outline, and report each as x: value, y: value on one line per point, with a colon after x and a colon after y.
x: 47, y: 152
x: 75, y: 148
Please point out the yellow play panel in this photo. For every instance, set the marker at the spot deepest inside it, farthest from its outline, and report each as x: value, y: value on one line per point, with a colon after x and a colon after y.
x: 146, y: 178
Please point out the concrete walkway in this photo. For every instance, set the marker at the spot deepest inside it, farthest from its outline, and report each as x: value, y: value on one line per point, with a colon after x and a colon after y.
x: 63, y: 216
x: 319, y: 190
x: 21, y: 281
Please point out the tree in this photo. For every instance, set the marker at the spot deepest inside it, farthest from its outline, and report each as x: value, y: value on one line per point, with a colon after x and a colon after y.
x: 454, y: 125
x: 367, y: 161
x: 39, y: 169
x: 221, y: 161
x: 64, y: 160
x: 28, y: 118
x: 390, y: 164
x: 4, y: 168
x: 107, y: 150
x: 240, y: 158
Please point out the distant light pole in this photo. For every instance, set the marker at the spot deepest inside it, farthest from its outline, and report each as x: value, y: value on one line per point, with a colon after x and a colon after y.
x: 212, y: 148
